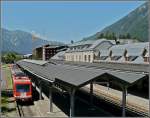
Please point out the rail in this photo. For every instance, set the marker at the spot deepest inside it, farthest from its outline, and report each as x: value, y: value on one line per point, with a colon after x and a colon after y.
x: 20, y: 110
x: 116, y: 101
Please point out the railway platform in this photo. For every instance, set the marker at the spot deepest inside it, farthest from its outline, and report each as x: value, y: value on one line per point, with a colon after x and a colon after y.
x: 134, y: 103
x: 42, y: 106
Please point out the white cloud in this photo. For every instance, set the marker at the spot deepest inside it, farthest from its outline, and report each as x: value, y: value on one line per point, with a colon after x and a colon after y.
x: 38, y: 35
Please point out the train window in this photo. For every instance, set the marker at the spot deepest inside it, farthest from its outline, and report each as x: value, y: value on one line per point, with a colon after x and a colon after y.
x: 20, y: 74
x: 22, y: 88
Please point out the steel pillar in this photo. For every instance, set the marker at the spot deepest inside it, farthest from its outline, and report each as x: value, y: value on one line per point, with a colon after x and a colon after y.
x: 108, y: 85
x: 126, y: 92
x: 72, y: 100
x: 33, y: 84
x: 40, y: 95
x: 91, y: 93
x: 50, y: 99
x: 124, y: 102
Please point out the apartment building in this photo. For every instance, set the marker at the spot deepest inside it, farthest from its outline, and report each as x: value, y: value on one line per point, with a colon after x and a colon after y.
x: 45, y: 52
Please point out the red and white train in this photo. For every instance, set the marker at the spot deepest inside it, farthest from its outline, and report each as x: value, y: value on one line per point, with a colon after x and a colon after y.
x: 22, y: 86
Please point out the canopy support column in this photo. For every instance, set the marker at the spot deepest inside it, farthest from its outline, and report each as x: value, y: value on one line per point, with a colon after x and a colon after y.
x: 40, y: 95
x: 33, y: 83
x: 35, y: 86
x: 72, y: 100
x: 91, y: 93
x: 50, y: 98
x: 108, y: 85
x: 124, y: 101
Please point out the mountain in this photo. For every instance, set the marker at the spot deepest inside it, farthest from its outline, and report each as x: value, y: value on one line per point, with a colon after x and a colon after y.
x: 135, y: 24
x: 21, y: 41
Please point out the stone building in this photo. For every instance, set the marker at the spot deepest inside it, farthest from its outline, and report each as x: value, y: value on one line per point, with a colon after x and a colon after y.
x: 84, y: 51
x: 127, y: 53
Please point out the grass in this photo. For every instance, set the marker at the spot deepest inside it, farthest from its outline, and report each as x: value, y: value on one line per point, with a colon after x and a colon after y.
x: 4, y: 101
x: 5, y: 94
x: 6, y: 68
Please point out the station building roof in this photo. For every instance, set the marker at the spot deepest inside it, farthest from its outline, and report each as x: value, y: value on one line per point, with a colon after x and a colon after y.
x: 59, y: 55
x: 104, y: 52
x: 88, y: 45
x: 133, y: 49
x: 39, y: 62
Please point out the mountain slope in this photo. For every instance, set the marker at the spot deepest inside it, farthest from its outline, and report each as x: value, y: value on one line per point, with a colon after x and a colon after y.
x: 135, y: 23
x: 21, y: 41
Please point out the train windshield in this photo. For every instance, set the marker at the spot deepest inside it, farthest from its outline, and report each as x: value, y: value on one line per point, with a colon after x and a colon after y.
x: 22, y: 88
x: 20, y: 74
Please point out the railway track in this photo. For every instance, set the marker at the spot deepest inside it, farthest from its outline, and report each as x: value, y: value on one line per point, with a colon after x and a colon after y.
x: 19, y: 109
x: 25, y: 110
x: 116, y: 101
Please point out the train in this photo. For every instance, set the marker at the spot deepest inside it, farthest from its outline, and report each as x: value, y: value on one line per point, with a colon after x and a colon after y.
x: 22, y: 85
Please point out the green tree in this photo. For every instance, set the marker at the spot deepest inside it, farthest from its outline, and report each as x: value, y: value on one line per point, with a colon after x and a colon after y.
x: 10, y: 57
x: 100, y: 36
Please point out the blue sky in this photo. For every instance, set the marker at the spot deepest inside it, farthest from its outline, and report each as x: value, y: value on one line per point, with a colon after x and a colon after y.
x: 63, y: 21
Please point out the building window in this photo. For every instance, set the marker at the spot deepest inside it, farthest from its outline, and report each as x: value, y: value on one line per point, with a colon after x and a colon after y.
x: 131, y: 58
x: 115, y: 58
x: 72, y: 58
x: 79, y: 57
x: 103, y: 57
x: 89, y: 58
x: 85, y: 58
x: 146, y: 59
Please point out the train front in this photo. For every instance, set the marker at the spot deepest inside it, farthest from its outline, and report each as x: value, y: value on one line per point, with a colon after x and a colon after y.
x: 22, y: 88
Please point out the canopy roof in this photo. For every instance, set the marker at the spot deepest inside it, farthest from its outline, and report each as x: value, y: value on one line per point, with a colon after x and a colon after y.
x: 76, y: 76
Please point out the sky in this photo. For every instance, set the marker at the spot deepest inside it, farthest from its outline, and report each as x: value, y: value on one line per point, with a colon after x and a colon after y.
x: 63, y: 21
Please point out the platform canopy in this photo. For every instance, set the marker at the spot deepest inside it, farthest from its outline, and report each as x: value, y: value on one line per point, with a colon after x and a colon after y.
x: 77, y: 76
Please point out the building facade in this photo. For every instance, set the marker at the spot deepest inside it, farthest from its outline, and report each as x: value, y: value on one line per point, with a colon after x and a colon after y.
x: 84, y: 51
x: 45, y: 52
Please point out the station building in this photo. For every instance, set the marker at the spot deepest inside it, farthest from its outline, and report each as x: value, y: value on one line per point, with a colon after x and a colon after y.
x: 126, y: 53
x: 104, y: 50
x: 83, y: 51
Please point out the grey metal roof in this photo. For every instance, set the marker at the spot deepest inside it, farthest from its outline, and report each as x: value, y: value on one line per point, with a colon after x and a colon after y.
x: 79, y: 76
x: 76, y: 75
x: 133, y: 67
x: 104, y: 53
x: 59, y: 55
x: 97, y: 42
x: 133, y: 49
x: 39, y: 62
x: 88, y: 45
x: 36, y: 69
x: 118, y: 52
x: 128, y: 77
